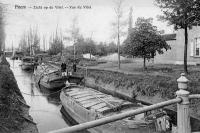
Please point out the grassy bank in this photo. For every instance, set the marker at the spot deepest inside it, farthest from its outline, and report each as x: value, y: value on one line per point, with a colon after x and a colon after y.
x: 14, y: 113
x: 154, y: 85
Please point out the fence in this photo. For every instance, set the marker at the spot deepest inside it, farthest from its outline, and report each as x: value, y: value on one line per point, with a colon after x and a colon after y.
x: 183, y: 117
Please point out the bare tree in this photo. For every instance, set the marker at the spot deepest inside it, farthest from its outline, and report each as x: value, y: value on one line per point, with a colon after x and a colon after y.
x: 30, y: 41
x: 119, y: 25
x: 44, y: 42
x: 91, y: 41
x: 56, y: 43
x: 2, y: 32
x: 74, y: 34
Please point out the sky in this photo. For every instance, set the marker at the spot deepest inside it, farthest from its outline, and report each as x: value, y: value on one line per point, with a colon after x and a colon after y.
x: 94, y: 22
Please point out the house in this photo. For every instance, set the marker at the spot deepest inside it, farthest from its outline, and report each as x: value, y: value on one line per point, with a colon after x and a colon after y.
x: 87, y: 56
x: 176, y: 54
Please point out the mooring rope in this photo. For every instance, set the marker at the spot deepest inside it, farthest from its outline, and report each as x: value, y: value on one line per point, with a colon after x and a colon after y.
x: 45, y: 111
x: 41, y: 94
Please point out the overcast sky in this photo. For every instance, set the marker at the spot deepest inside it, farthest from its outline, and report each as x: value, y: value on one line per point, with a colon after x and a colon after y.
x: 98, y: 19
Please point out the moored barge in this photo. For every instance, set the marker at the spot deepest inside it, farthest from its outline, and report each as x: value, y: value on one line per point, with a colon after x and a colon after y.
x: 49, y: 77
x: 28, y: 63
x: 85, y: 104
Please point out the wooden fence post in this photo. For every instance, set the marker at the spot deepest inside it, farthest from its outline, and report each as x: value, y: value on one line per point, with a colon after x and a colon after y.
x: 183, y: 116
x: 86, y: 71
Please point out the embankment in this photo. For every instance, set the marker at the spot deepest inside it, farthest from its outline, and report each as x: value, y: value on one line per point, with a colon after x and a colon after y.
x: 14, y: 113
x: 145, y: 87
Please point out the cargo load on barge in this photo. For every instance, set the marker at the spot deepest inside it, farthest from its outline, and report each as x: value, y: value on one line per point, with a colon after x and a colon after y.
x: 85, y: 104
x: 50, y: 77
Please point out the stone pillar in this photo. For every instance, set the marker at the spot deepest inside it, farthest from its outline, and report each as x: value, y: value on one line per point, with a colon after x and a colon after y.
x: 183, y: 116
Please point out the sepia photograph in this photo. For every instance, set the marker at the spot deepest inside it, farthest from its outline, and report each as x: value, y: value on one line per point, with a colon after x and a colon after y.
x: 99, y: 66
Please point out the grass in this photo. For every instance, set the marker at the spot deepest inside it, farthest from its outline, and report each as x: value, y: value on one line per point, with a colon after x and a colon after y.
x: 157, y: 83
x: 12, y: 112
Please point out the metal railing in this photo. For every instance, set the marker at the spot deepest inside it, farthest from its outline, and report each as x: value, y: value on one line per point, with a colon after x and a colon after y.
x: 183, y: 117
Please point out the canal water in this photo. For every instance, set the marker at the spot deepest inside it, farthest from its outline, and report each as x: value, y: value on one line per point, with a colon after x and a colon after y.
x: 44, y: 106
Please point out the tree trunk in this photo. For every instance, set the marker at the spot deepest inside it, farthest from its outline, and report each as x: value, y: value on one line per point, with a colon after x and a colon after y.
x: 185, y: 49
x: 0, y: 48
x: 90, y: 54
x: 118, y: 43
x: 74, y: 51
x: 144, y: 64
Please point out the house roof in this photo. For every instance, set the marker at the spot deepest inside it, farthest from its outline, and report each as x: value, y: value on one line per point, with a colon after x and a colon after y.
x: 169, y: 37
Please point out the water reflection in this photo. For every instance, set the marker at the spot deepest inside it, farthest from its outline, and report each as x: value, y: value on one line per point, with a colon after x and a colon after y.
x: 44, y: 105
x: 52, y: 96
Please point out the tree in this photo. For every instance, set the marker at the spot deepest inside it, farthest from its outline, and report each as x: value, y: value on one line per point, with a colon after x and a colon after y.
x: 90, y: 46
x: 145, y: 40
x: 183, y: 14
x: 23, y: 46
x: 111, y: 47
x: 101, y: 49
x: 85, y: 46
x: 35, y: 40
x: 2, y: 26
x: 56, y: 44
x: 119, y: 26
x: 30, y: 41
x: 44, y: 42
x: 74, y: 34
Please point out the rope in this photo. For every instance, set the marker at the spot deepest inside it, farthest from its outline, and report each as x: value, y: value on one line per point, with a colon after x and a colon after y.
x: 19, y: 75
x: 45, y: 111
x: 41, y: 94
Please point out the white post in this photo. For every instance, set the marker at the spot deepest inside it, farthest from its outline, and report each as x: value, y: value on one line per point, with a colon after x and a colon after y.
x: 183, y: 116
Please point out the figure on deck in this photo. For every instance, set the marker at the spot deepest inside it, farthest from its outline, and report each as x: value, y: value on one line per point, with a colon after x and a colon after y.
x: 63, y: 69
x: 74, y: 67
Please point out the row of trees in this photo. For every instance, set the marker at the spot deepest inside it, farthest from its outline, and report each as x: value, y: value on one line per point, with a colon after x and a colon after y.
x: 87, y: 45
x: 30, y: 42
x: 144, y: 40
x: 56, y: 44
x: 81, y: 45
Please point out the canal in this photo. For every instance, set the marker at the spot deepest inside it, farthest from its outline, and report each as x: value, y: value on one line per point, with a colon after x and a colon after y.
x: 44, y: 106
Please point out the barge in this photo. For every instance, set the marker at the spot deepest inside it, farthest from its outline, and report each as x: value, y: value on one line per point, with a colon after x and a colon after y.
x: 49, y: 77
x: 28, y: 63
x: 85, y: 104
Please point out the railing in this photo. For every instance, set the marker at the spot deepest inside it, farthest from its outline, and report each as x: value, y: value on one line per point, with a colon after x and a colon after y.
x: 183, y: 117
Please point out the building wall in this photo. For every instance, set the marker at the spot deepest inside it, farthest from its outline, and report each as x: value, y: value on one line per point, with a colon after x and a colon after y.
x: 176, y: 54
x: 168, y: 56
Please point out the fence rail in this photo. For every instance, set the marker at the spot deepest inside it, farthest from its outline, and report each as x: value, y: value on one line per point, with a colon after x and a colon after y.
x: 116, y: 117
x: 183, y: 117
x: 194, y: 96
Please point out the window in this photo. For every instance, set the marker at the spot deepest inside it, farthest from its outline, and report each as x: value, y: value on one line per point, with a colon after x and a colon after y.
x: 197, y: 46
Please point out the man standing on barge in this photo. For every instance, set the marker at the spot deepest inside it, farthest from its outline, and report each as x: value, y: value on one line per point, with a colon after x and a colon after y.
x: 63, y: 69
